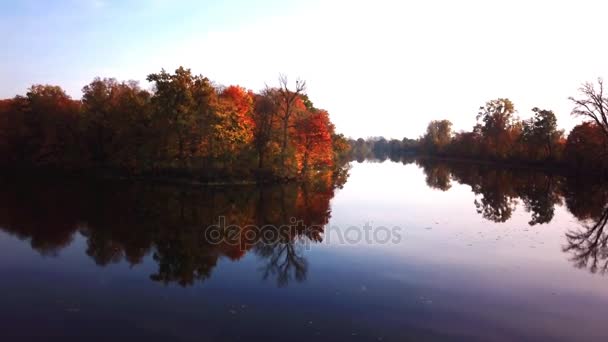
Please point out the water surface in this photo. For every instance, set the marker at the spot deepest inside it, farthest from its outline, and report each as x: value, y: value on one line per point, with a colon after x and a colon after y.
x: 475, y: 253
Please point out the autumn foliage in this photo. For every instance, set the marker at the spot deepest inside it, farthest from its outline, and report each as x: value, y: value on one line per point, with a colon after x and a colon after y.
x: 186, y: 125
x: 500, y: 136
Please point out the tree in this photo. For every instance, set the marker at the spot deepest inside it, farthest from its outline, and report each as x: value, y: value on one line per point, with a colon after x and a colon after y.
x: 185, y: 127
x: 541, y: 131
x: 466, y: 144
x: 496, y: 127
x: 593, y: 105
x: 409, y: 145
x: 45, y: 128
x: 585, y: 146
x: 264, y: 118
x: 361, y: 149
x: 288, y: 102
x: 341, y: 148
x: 380, y: 148
x: 233, y: 122
x: 313, y: 141
x: 438, y: 135
x: 7, y: 127
x: 116, y: 120
x: 183, y: 113
x: 99, y: 111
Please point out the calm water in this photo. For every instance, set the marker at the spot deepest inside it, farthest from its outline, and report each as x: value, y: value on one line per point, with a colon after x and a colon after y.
x: 475, y: 253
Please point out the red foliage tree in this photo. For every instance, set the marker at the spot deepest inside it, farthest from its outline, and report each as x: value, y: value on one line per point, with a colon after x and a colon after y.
x: 313, y: 140
x: 585, y: 147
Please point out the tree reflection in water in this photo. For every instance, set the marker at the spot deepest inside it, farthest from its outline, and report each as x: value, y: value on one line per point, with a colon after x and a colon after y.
x: 589, y: 245
x: 498, y: 191
x: 284, y: 261
x: 130, y: 221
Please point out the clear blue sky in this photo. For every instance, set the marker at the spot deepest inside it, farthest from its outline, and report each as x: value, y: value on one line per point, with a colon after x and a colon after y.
x: 381, y: 67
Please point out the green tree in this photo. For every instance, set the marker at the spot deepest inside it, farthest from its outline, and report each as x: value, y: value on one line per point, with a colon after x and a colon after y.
x: 541, y: 132
x: 116, y: 120
x: 183, y: 112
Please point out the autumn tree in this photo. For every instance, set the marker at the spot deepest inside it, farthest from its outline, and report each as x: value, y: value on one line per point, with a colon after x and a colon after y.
x: 116, y: 120
x: 186, y: 126
x: 584, y: 146
x: 496, y: 125
x: 232, y: 123
x: 466, y: 144
x: 99, y: 113
x: 41, y: 129
x: 593, y: 105
x: 341, y: 148
x: 438, y: 135
x: 182, y: 112
x: 264, y: 118
x: 541, y: 131
x: 7, y: 145
x: 313, y: 141
x: 288, y: 104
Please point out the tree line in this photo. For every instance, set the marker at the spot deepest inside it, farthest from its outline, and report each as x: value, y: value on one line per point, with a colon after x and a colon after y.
x: 500, y: 135
x: 379, y: 148
x: 186, y: 125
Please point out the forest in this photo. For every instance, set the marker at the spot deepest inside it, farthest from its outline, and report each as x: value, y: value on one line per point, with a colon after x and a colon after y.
x: 186, y: 126
x: 500, y: 136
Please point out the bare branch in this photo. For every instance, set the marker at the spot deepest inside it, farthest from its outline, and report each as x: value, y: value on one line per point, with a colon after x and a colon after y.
x: 594, y: 105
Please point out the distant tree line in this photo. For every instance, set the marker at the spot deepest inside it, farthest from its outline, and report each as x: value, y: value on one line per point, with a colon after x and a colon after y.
x: 185, y: 126
x: 379, y: 148
x: 501, y: 136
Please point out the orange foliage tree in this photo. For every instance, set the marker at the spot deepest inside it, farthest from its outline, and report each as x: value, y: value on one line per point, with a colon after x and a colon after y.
x: 234, y: 120
x: 184, y: 126
x: 313, y: 141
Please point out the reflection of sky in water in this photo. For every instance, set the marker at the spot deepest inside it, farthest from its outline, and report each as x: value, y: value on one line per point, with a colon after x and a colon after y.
x: 454, y: 274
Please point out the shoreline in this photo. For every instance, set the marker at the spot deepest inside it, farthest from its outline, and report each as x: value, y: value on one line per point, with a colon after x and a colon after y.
x: 114, y: 175
x: 561, y: 168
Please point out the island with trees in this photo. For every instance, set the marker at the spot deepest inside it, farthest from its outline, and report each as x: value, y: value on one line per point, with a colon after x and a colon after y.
x: 185, y: 128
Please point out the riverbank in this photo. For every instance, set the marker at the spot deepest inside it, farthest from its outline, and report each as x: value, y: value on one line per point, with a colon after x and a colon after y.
x: 197, y: 178
x: 557, y: 167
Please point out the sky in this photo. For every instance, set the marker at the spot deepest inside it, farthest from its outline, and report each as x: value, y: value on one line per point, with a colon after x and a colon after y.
x: 379, y: 67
